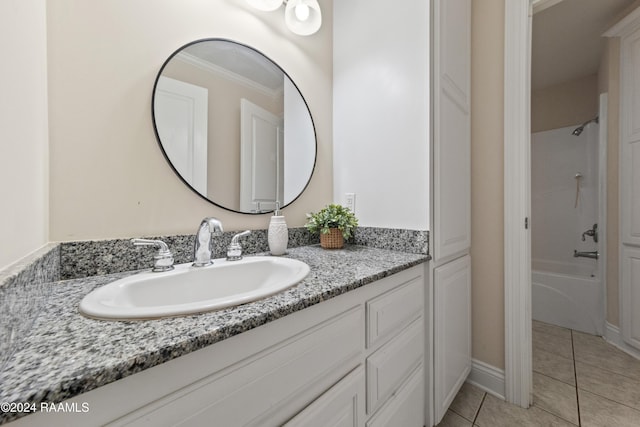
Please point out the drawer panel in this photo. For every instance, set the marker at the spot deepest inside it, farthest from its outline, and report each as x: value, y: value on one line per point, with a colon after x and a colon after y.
x: 270, y: 380
x: 341, y: 406
x: 406, y: 407
x: 393, y: 310
x: 389, y: 366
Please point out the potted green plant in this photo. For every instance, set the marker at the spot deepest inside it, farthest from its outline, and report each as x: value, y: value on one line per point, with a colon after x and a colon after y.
x: 334, y: 223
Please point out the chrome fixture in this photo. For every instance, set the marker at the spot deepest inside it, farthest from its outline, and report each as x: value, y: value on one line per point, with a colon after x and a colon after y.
x: 234, y: 250
x: 592, y: 255
x: 202, y: 247
x: 577, y: 131
x: 302, y: 17
x: 593, y: 232
x: 163, y: 260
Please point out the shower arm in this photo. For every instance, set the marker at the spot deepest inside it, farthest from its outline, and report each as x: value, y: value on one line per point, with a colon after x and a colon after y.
x: 577, y: 131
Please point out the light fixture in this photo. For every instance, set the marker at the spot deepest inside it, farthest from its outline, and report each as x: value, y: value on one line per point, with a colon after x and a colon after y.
x: 302, y: 17
x: 266, y: 5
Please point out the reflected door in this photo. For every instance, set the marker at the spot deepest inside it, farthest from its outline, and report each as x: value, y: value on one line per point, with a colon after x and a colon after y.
x: 261, y: 158
x: 181, y: 113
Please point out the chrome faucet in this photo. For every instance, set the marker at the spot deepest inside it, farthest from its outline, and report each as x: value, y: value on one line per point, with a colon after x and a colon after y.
x: 202, y: 247
x: 234, y: 250
x: 163, y: 260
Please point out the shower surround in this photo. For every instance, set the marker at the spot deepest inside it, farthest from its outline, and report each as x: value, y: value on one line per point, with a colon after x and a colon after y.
x: 567, y: 291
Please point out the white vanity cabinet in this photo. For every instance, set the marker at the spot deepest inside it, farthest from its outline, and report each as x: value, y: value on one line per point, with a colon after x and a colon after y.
x: 354, y: 360
x: 393, y: 361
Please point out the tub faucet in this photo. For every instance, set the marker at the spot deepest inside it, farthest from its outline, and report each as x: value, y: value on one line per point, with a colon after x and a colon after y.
x: 592, y: 255
x: 202, y: 248
x: 593, y: 232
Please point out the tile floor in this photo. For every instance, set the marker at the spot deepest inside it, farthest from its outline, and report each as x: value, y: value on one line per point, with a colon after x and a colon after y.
x: 578, y: 380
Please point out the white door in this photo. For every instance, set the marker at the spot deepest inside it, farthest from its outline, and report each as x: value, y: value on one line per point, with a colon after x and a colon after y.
x: 451, y: 228
x: 261, y: 158
x: 630, y: 183
x: 181, y: 113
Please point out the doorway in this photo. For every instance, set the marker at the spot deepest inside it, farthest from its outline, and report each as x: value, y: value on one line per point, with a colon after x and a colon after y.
x: 518, y: 60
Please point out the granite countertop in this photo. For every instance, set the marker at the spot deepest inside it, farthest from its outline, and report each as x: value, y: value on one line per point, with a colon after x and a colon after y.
x: 65, y: 354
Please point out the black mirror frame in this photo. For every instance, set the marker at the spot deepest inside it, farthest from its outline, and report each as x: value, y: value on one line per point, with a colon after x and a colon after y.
x: 164, y: 153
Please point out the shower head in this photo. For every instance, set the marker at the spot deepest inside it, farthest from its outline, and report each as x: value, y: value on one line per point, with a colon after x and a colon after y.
x: 577, y: 131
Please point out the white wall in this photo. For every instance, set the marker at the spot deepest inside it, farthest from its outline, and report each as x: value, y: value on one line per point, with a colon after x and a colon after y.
x: 23, y: 129
x: 298, y: 160
x: 381, y: 111
x: 564, y: 104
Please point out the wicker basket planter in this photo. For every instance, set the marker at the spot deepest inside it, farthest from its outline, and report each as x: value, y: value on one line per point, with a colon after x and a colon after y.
x: 332, y: 240
x: 334, y: 223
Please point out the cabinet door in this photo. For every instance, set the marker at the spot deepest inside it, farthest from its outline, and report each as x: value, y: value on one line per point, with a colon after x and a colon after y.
x: 452, y: 334
x: 341, y: 406
x: 630, y: 139
x: 631, y: 295
x: 451, y: 129
x: 630, y: 187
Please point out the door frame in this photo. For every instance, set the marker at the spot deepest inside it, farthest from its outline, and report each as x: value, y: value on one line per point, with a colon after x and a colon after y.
x: 517, y: 202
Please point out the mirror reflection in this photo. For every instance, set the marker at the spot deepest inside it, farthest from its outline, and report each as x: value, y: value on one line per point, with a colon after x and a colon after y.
x: 233, y: 126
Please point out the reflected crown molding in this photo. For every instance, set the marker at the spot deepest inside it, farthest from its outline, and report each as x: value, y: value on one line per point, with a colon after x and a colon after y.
x: 229, y: 75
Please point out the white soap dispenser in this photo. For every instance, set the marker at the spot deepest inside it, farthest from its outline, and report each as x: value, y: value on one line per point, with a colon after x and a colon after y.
x: 278, y: 233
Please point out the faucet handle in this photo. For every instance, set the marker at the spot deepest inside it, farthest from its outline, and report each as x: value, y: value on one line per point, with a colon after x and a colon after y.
x: 163, y: 260
x: 234, y: 250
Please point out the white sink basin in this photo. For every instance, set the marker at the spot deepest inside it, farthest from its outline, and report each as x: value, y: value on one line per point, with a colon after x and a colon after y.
x: 188, y: 290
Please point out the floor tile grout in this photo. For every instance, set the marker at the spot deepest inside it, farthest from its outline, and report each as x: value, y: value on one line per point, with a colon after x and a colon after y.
x: 605, y: 369
x: 479, y: 408
x: 554, y: 378
x: 610, y: 399
x: 575, y: 375
x: 555, y: 415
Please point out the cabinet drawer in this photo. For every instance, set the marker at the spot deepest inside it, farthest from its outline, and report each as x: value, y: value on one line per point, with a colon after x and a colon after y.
x: 391, y: 311
x: 341, y: 406
x: 406, y: 407
x: 269, y: 387
x: 389, y: 366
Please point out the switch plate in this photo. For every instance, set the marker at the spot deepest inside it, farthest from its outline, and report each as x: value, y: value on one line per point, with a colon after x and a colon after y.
x: 350, y: 201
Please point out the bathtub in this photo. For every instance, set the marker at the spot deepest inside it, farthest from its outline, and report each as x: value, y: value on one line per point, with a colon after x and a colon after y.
x: 568, y: 295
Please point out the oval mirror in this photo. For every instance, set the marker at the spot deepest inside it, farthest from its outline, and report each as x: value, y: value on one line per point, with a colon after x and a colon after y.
x: 234, y: 126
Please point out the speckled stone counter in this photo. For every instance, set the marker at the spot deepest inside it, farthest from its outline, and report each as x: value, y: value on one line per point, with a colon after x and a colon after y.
x: 65, y: 354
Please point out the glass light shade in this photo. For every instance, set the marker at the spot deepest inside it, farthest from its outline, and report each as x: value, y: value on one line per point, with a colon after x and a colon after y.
x: 302, y: 12
x: 266, y: 5
x: 295, y: 19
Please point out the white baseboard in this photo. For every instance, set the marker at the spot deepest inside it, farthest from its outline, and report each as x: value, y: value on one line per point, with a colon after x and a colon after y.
x: 488, y: 378
x: 613, y: 336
